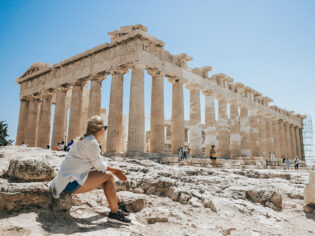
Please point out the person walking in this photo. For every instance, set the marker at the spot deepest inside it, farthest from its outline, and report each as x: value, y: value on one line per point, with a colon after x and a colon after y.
x: 296, y: 163
x: 180, y: 153
x: 287, y: 163
x: 83, y: 171
x: 188, y: 156
x: 213, y: 156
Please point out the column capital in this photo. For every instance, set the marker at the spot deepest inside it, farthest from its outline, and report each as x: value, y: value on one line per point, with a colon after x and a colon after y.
x: 192, y: 86
x: 80, y: 82
x: 64, y: 87
x: 48, y: 92
x: 208, y: 92
x: 97, y: 77
x: 233, y: 101
x: 175, y: 80
x: 155, y: 72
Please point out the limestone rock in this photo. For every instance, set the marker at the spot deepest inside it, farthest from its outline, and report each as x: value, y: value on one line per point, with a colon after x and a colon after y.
x: 30, y: 170
x: 184, y: 198
x: 208, y: 203
x: 15, y: 197
x: 266, y: 197
x: 309, y: 208
x: 134, y: 202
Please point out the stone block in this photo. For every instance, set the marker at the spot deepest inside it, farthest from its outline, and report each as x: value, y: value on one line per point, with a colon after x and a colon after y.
x: 28, y: 170
x: 16, y: 197
x: 309, y: 191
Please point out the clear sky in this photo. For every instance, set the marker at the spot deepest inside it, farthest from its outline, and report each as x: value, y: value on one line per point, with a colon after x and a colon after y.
x: 267, y: 45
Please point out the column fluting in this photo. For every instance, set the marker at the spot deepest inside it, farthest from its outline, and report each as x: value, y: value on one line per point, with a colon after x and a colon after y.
x: 115, y: 115
x: 177, y: 123
x: 43, y: 132
x: 245, y: 132
x: 136, y: 111
x: 195, y: 122
x: 157, y: 139
x: 59, y: 116
x: 22, y: 125
x: 223, y: 132
x: 235, y: 132
x: 75, y: 111
x: 32, y: 121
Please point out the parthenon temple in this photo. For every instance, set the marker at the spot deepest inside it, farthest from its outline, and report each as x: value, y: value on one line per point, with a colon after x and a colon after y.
x: 245, y: 124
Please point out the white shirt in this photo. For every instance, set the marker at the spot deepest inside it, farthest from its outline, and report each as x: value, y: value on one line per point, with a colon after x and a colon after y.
x: 82, y: 157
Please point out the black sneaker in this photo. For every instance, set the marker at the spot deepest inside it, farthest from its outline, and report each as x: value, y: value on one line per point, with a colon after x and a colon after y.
x: 122, y: 207
x: 118, y: 217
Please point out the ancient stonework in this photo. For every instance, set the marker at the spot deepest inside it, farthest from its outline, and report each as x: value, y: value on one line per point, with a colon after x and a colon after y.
x: 247, y: 125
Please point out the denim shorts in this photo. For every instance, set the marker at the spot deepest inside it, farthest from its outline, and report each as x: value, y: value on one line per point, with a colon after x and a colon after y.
x: 72, y: 187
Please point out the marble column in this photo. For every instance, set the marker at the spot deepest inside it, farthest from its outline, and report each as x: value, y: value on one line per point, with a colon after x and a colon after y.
x: 136, y: 111
x: 276, y: 138
x: 22, y: 125
x: 177, y: 123
x: 157, y: 138
x: 298, y: 141
x: 293, y: 141
x: 115, y: 113
x: 262, y: 136
x: 95, y: 97
x: 269, y: 136
x: 32, y: 121
x: 235, y: 133
x: 59, y: 117
x: 223, y: 131
x: 75, y: 111
x: 287, y: 140
x: 195, y: 122
x: 282, y: 139
x: 210, y: 122
x: 43, y: 132
x: 254, y: 133
x: 244, y: 131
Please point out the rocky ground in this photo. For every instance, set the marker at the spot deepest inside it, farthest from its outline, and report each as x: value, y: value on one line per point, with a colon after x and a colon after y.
x: 166, y: 200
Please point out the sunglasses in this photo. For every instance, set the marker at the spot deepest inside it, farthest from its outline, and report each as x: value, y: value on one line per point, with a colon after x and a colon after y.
x: 105, y: 127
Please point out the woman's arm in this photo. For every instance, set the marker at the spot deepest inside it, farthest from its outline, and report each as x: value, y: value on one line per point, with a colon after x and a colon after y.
x: 119, y: 173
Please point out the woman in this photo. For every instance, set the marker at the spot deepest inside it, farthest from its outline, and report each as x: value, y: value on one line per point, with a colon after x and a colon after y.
x: 76, y: 175
x: 213, y: 156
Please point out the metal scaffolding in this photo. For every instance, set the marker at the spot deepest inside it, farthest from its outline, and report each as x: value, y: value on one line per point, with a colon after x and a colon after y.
x: 308, y: 141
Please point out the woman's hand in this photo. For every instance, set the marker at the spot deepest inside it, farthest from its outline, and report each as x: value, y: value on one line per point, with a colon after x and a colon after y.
x: 119, y: 173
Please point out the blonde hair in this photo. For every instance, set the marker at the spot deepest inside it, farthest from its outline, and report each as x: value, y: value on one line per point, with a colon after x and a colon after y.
x: 95, y: 123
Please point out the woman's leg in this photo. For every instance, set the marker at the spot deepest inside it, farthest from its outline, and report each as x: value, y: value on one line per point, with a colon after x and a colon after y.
x: 107, y: 182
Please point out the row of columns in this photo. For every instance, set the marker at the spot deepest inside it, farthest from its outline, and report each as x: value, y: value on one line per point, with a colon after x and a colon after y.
x: 247, y: 133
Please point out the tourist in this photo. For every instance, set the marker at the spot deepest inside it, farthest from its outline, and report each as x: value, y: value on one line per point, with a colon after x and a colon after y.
x: 47, y: 147
x: 69, y: 144
x: 23, y: 144
x: 287, y: 163
x: 76, y: 175
x: 188, y: 156
x: 213, y: 156
x: 56, y: 148
x: 296, y: 163
x: 61, y: 146
x: 180, y: 153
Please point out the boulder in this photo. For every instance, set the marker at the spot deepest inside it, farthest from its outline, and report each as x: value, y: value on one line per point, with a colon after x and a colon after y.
x: 27, y: 170
x: 16, y: 197
x: 208, y: 203
x: 269, y: 198
x: 134, y: 202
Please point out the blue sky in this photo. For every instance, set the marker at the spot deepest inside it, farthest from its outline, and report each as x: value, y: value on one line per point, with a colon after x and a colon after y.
x: 267, y: 45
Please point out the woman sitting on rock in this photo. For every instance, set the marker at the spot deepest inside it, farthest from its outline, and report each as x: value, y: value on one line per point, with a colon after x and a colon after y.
x: 76, y: 175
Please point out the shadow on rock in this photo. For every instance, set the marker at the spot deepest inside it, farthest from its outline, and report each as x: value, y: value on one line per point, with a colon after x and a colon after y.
x: 64, y: 223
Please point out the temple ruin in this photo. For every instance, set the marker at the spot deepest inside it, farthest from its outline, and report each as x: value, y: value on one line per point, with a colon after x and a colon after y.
x: 253, y: 127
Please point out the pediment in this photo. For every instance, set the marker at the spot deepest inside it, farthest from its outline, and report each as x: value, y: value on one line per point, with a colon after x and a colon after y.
x: 37, y: 66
